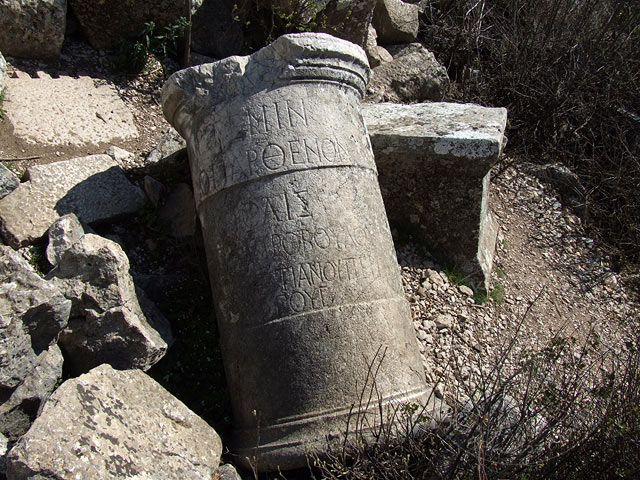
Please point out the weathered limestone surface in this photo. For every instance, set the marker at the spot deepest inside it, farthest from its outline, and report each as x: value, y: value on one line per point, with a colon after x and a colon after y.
x: 228, y: 472
x: 3, y: 72
x: 63, y: 233
x: 94, y: 188
x: 376, y: 54
x: 396, y: 21
x: 303, y: 270
x: 414, y: 75
x: 21, y: 409
x: 349, y: 19
x: 115, y: 424
x: 32, y: 313
x: 434, y: 162
x: 8, y: 181
x: 32, y: 28
x: 67, y: 110
x: 107, y: 323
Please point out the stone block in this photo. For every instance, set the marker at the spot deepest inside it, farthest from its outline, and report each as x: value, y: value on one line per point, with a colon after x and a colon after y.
x: 32, y: 313
x: 32, y: 28
x: 214, y: 32
x: 115, y: 424
x: 94, y: 188
x: 67, y: 110
x: 22, y: 408
x: 434, y: 162
x: 414, y: 75
x: 396, y: 21
x: 349, y: 19
x: 105, y: 23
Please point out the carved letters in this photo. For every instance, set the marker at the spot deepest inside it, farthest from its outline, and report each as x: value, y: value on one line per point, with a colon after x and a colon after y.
x: 263, y: 159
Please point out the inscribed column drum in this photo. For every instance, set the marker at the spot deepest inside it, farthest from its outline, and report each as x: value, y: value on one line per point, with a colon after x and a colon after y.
x: 313, y: 321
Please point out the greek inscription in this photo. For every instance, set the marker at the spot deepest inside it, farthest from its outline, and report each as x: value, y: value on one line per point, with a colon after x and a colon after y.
x: 314, y: 274
x: 288, y: 205
x: 310, y: 286
x: 306, y: 240
x: 299, y: 301
x: 306, y: 151
x: 276, y: 116
x: 273, y: 156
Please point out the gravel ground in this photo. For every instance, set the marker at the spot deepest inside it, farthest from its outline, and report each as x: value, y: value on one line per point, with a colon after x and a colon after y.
x: 551, y: 283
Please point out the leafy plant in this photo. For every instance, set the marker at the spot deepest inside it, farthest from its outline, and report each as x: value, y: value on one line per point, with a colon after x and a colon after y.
x: 132, y: 54
x: 497, y: 293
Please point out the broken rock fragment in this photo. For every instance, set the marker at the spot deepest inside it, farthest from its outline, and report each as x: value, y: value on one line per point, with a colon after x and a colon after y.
x: 21, y: 409
x: 115, y: 424
x: 64, y: 232
x: 8, y: 180
x: 107, y: 324
x: 32, y: 313
x: 94, y: 188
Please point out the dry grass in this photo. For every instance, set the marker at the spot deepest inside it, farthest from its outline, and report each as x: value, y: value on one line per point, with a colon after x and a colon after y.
x: 568, y: 71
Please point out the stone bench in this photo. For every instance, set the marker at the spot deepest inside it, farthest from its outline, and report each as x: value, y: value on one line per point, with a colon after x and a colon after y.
x: 434, y: 162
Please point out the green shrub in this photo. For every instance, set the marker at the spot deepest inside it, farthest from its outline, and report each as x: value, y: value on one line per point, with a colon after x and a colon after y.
x: 131, y: 55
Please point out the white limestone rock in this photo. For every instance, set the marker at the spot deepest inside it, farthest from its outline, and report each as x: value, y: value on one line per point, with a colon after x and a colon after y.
x: 32, y: 313
x: 94, y: 188
x: 115, y: 424
x: 434, y: 162
x: 107, y: 323
x: 63, y: 233
x: 67, y: 111
x: 22, y: 407
x: 414, y: 75
x: 396, y: 21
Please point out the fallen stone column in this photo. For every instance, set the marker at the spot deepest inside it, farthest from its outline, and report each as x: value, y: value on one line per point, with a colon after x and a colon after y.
x: 313, y: 321
x: 434, y: 162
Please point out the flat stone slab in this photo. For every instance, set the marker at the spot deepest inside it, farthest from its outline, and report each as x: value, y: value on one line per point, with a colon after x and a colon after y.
x: 66, y: 110
x: 452, y: 130
x: 115, y: 424
x: 94, y: 188
x: 434, y: 162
